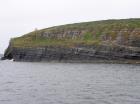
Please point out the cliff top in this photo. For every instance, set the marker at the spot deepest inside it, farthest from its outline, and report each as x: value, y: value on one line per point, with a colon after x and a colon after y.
x: 121, y: 32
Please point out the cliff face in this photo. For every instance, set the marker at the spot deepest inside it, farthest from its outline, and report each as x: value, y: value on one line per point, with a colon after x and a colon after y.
x: 103, y: 53
x: 84, y: 42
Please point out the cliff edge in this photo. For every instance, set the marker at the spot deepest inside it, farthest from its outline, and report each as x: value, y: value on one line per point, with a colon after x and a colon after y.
x: 98, y: 41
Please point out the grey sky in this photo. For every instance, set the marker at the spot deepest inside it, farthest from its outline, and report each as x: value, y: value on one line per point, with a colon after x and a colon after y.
x: 18, y: 17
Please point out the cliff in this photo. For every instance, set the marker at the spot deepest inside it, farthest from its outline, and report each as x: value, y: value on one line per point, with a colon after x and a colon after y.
x: 107, y: 41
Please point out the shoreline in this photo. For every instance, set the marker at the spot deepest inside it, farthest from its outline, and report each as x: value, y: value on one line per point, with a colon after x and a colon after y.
x: 86, y: 61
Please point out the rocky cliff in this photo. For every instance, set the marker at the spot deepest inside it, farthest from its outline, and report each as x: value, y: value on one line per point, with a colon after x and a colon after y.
x: 103, y: 41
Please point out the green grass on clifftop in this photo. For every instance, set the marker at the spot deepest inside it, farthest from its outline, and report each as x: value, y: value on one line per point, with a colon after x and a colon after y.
x: 92, y: 36
x: 20, y: 42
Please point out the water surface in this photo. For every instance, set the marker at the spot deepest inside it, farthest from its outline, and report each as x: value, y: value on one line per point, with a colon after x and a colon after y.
x: 69, y: 83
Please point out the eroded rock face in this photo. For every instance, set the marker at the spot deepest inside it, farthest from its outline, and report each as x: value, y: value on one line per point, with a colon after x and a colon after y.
x: 123, y: 37
x: 63, y: 34
x: 77, y: 54
x: 134, y: 38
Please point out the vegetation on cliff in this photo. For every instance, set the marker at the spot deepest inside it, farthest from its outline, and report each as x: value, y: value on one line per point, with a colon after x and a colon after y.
x: 121, y: 32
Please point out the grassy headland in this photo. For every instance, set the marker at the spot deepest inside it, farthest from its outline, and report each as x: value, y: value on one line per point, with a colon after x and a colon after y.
x: 90, y: 33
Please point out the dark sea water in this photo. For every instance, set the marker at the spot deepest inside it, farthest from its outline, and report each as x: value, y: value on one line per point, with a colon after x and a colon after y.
x: 69, y: 83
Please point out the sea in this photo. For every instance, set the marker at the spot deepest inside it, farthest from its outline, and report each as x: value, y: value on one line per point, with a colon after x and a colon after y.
x: 69, y: 83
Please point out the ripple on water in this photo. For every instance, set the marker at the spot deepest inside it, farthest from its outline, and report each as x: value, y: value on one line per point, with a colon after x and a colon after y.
x: 61, y: 83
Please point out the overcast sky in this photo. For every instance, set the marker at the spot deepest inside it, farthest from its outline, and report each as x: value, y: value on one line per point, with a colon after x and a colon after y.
x: 18, y: 17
